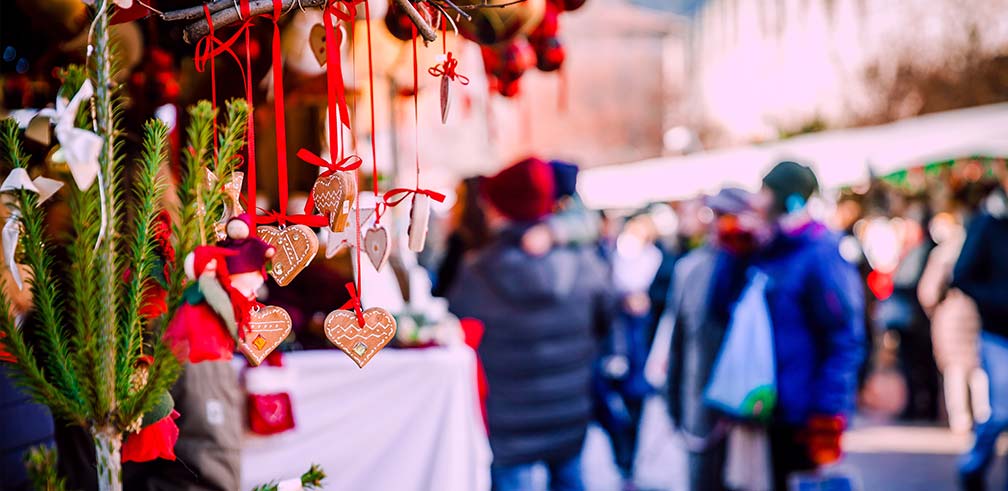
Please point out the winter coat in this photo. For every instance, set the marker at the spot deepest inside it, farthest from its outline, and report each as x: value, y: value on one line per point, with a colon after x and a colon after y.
x: 696, y: 340
x: 982, y: 271
x: 23, y: 424
x: 538, y: 346
x: 955, y: 323
x: 816, y: 304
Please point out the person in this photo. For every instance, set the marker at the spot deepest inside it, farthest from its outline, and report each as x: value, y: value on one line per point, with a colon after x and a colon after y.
x: 619, y: 385
x: 538, y: 346
x: 815, y: 303
x: 982, y: 274
x: 708, y: 272
x: 955, y: 327
x: 469, y: 234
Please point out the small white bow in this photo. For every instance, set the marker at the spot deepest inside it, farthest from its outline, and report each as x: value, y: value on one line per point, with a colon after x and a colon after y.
x: 11, y: 233
x: 79, y: 148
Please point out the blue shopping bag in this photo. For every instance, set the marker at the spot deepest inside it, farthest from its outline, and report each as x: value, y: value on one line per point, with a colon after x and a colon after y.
x: 743, y: 382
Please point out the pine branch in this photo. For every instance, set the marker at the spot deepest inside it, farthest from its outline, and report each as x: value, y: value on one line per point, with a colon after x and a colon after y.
x: 48, y: 375
x: 148, y: 189
x: 108, y: 272
x: 41, y: 465
x: 195, y: 159
x: 160, y: 377
x: 312, y: 479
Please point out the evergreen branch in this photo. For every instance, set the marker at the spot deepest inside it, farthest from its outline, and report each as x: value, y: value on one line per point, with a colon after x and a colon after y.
x: 148, y: 189
x: 41, y: 464
x: 108, y: 271
x: 160, y: 377
x: 312, y: 479
x: 45, y: 290
x: 195, y: 158
x: 232, y: 141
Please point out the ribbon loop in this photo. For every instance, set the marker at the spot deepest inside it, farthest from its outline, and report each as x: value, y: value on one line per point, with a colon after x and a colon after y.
x: 395, y: 196
x: 354, y: 302
x: 449, y: 69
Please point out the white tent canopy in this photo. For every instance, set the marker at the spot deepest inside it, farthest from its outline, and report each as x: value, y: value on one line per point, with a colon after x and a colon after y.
x: 840, y: 157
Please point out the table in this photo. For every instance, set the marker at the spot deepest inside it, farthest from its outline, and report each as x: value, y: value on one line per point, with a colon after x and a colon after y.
x: 408, y: 421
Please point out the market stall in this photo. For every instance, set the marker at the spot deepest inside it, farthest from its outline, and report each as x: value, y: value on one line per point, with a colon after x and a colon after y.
x: 431, y: 437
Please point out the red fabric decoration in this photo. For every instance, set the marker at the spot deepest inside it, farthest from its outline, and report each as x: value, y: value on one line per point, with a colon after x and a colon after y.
x: 550, y: 54
x: 154, y: 303
x: 155, y: 441
x: 5, y: 356
x: 270, y: 414
x: 196, y: 332
x: 522, y: 192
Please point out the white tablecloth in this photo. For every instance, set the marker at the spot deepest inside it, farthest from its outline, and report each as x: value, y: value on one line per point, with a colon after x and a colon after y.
x: 408, y: 421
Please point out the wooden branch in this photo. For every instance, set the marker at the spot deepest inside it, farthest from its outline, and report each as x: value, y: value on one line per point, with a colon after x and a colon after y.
x: 485, y: 5
x: 426, y: 31
x: 224, y: 13
x: 451, y: 5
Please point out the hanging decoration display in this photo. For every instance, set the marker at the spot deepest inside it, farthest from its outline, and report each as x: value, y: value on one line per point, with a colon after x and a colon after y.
x: 377, y: 245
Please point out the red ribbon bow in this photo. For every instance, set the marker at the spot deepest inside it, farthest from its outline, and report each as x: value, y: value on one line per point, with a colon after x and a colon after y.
x: 355, y: 303
x: 447, y: 69
x: 395, y: 196
x: 348, y: 164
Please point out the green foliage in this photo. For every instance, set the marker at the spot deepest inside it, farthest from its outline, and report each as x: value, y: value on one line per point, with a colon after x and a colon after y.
x: 40, y: 462
x: 312, y: 479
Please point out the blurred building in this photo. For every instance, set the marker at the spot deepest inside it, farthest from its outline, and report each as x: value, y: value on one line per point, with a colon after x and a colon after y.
x: 760, y: 70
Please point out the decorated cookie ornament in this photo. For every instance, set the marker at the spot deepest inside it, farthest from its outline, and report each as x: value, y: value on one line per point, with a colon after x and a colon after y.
x: 296, y: 246
x: 360, y: 342
x: 377, y: 245
x: 268, y: 327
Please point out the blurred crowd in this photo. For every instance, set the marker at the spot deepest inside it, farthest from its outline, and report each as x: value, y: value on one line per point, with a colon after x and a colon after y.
x: 887, y: 299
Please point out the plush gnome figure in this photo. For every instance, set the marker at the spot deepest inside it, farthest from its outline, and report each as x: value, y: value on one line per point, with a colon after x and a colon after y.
x: 216, y: 308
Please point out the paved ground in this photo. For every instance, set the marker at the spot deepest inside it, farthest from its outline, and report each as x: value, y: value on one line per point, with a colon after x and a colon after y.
x: 887, y: 458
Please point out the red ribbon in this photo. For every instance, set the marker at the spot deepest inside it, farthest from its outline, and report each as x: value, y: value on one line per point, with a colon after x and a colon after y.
x: 314, y: 221
x: 395, y: 196
x: 335, y: 89
x: 448, y: 69
x: 347, y: 164
x: 355, y: 303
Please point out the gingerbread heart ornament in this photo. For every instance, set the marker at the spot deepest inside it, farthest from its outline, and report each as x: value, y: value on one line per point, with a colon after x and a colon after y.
x: 267, y: 329
x: 360, y: 343
x: 296, y: 246
x: 377, y: 245
x: 329, y: 193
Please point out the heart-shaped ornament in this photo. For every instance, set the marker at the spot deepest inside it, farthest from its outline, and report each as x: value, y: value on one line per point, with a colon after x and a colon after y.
x: 377, y: 245
x: 360, y: 343
x: 329, y: 193
x: 316, y: 39
x: 268, y: 328
x: 295, y: 246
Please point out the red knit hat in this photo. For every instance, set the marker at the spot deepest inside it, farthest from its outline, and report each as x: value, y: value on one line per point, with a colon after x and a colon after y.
x: 522, y: 192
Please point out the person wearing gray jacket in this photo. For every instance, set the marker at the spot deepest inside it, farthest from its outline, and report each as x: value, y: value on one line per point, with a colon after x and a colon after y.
x: 538, y: 347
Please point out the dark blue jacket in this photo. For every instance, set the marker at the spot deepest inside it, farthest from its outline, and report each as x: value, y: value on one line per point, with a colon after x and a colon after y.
x: 23, y: 425
x: 816, y: 307
x: 982, y: 271
x: 538, y: 346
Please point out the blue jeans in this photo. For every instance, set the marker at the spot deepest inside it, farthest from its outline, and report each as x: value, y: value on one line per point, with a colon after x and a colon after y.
x: 994, y: 359
x: 564, y: 475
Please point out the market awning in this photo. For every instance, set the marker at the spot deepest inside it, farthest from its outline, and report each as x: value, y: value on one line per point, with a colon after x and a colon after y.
x: 840, y: 157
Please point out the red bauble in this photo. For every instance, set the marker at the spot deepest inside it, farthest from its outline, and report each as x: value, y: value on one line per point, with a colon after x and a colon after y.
x: 550, y: 25
x: 550, y: 54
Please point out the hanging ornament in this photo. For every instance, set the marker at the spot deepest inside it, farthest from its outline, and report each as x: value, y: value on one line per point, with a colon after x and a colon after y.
x: 360, y: 339
x: 491, y: 25
x: 296, y: 246
x: 79, y: 148
x: 268, y: 327
x: 377, y: 245
x: 349, y: 236
x: 316, y: 39
x: 446, y: 69
x: 419, y: 221
x: 545, y: 42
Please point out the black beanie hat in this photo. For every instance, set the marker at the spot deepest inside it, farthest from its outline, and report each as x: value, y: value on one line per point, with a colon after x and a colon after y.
x: 791, y: 184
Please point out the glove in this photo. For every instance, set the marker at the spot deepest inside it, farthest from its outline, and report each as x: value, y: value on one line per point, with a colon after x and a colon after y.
x: 823, y: 434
